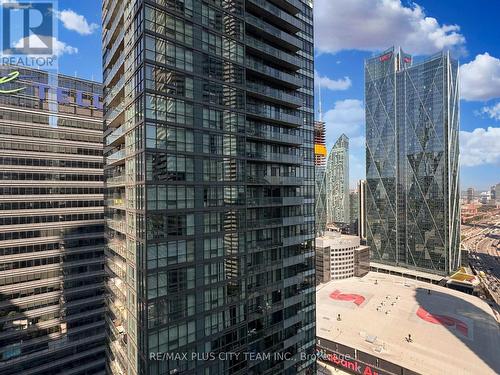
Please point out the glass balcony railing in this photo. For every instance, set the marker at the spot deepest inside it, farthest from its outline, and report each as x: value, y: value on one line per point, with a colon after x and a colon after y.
x: 108, y: 55
x: 276, y: 94
x: 273, y: 10
x: 110, y: 95
x: 110, y: 73
x: 273, y: 114
x: 112, y: 115
x: 274, y: 180
x: 277, y: 74
x: 275, y: 157
x: 266, y: 49
x: 117, y: 156
x: 274, y: 31
x: 269, y: 201
x: 115, y: 135
x: 275, y: 136
x: 114, y: 181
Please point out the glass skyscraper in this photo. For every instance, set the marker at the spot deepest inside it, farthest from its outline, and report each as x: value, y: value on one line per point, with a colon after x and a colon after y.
x: 51, y: 225
x: 209, y: 169
x: 320, y: 168
x: 337, y: 182
x: 412, y: 128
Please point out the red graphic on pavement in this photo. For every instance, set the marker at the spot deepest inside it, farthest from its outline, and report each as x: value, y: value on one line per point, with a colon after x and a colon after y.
x: 444, y: 320
x: 339, y: 296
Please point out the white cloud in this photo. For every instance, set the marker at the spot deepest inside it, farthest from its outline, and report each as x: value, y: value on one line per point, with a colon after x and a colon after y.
x: 332, y: 84
x: 480, y: 147
x: 480, y: 79
x: 347, y: 116
x: 76, y: 22
x: 493, y: 111
x: 373, y: 25
x: 59, y: 48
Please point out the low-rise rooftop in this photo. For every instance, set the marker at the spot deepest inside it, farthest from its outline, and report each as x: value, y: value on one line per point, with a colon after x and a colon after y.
x: 451, y: 332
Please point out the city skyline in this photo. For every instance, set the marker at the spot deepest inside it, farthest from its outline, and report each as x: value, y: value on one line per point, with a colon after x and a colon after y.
x: 340, y: 68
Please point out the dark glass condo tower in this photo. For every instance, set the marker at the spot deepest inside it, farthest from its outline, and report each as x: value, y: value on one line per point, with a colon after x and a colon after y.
x: 412, y: 127
x: 209, y: 169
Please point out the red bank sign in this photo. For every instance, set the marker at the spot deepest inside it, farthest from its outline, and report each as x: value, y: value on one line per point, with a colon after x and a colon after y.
x: 444, y: 320
x: 346, y: 362
x: 354, y: 298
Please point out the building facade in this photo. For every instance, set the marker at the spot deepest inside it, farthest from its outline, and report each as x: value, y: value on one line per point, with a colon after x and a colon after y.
x: 340, y: 256
x: 412, y: 114
x: 51, y: 225
x: 354, y: 212
x: 209, y: 155
x: 320, y: 168
x: 362, y: 210
x: 471, y: 195
x: 337, y: 182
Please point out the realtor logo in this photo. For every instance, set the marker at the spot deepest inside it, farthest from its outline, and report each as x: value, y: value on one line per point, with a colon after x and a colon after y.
x: 27, y: 28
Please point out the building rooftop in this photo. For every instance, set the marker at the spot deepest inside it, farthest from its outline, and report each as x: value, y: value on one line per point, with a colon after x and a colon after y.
x: 451, y: 332
x: 331, y: 238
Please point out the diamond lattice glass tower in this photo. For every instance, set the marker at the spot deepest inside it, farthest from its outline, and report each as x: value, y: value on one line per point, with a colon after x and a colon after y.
x: 412, y: 126
x: 337, y: 182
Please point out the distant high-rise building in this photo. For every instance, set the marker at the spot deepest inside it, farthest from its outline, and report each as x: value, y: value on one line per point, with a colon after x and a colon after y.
x: 362, y: 210
x: 52, y: 300
x: 493, y: 194
x: 497, y: 193
x: 337, y: 182
x: 470, y: 195
x: 209, y: 169
x: 412, y: 115
x: 319, y: 165
x: 353, y: 212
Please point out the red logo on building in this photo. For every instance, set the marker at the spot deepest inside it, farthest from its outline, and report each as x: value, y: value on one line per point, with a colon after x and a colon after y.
x: 444, y: 320
x: 385, y: 57
x: 355, y: 298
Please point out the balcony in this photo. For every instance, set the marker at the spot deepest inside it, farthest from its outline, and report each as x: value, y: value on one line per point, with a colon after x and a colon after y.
x: 295, y: 240
x: 265, y: 223
x: 275, y: 157
x: 117, y: 157
x: 113, y: 137
x: 116, y: 203
x: 110, y: 73
x: 275, y: 201
x: 274, y: 34
x: 274, y: 115
x: 274, y: 180
x: 274, y: 74
x: 110, y: 31
x: 268, y: 135
x: 118, y: 247
x: 276, y: 55
x: 111, y: 116
x: 118, y: 225
x: 112, y: 12
x: 293, y: 220
x: 278, y: 16
x: 115, y: 181
x: 273, y: 95
x: 110, y: 53
x: 111, y: 94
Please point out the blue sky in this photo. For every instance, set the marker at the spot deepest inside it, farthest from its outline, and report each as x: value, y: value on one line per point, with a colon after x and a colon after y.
x: 348, y: 31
